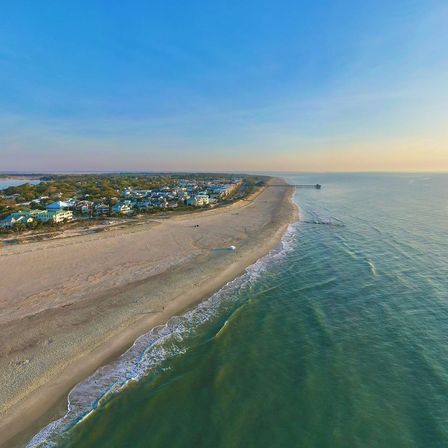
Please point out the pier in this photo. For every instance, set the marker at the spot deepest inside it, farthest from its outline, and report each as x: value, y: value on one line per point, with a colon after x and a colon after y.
x: 315, y: 186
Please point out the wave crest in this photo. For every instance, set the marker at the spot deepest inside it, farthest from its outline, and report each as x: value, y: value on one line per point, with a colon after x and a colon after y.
x: 150, y: 350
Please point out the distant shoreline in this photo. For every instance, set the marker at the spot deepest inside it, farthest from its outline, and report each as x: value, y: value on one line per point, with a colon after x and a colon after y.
x: 19, y: 177
x: 6, y: 182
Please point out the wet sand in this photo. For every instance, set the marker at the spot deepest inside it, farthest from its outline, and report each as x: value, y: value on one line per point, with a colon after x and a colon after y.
x: 69, y: 305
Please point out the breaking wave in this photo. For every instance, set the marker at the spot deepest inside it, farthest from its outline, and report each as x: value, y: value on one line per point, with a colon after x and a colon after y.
x: 150, y: 350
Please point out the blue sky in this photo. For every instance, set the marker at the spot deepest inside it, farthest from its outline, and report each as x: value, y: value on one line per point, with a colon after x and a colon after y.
x: 213, y: 85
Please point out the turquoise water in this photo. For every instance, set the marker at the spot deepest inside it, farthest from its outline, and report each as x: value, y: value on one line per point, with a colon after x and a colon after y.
x: 340, y: 339
x: 5, y: 183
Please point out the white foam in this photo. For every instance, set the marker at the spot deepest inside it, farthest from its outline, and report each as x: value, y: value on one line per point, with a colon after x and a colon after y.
x: 150, y: 349
x: 372, y: 267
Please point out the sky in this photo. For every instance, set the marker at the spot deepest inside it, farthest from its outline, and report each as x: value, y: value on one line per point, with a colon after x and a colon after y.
x: 286, y: 85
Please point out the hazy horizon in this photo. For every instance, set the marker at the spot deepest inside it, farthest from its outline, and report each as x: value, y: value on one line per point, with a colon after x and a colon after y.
x: 266, y: 172
x: 292, y: 86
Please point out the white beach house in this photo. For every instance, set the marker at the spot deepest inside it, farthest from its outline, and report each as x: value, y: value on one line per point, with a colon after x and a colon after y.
x: 199, y: 200
x: 122, y: 208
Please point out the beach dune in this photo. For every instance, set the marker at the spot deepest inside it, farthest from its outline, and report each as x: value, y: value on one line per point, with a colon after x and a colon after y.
x: 69, y: 305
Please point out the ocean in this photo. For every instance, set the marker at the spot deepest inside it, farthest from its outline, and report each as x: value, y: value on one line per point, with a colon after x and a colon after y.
x: 339, y: 338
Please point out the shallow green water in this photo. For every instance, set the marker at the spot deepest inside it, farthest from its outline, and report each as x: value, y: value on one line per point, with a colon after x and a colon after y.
x: 338, y: 341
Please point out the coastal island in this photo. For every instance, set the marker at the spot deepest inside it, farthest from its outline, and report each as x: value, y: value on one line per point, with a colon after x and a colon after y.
x: 68, y: 305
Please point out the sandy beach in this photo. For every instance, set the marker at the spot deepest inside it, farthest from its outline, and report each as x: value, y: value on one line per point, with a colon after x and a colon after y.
x: 69, y: 305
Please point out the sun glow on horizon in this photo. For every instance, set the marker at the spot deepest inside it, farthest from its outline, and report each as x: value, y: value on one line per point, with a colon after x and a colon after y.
x: 199, y: 88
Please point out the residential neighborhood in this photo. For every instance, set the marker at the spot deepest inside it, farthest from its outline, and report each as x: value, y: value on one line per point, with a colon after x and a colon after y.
x: 59, y: 207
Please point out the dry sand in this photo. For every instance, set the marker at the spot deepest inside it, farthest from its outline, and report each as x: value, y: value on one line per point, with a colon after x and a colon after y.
x: 69, y: 305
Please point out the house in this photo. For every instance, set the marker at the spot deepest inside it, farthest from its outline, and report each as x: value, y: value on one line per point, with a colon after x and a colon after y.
x: 58, y: 205
x: 160, y: 202
x: 199, y: 200
x: 219, y: 190
x: 84, y: 206
x: 122, y: 208
x: 183, y: 195
x: 102, y: 209
x: 143, y: 205
x: 127, y: 192
x: 53, y: 216
x: 20, y: 217
x: 56, y: 216
x: 142, y: 193
x: 71, y: 203
x: 29, y: 216
x: 10, y: 221
x: 223, y: 190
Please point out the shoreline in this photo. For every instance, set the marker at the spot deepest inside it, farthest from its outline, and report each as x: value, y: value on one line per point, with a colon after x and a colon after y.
x: 26, y: 416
